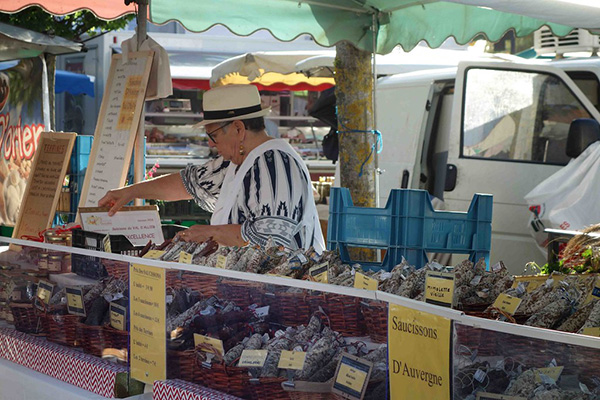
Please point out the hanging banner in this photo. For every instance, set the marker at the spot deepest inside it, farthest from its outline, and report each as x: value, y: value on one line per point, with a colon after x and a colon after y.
x: 419, y: 354
x: 21, y: 123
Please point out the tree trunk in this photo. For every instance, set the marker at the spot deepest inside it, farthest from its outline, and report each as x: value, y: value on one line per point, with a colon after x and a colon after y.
x: 354, y: 98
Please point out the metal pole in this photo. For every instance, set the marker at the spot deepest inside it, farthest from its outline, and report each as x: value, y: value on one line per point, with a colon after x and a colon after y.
x: 375, y: 31
x: 139, y: 168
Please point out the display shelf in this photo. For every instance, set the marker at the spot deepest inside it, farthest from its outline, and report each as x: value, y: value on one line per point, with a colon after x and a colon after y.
x: 293, y: 303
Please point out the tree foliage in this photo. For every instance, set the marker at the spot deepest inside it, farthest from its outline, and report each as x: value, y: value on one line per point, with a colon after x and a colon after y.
x: 71, y: 26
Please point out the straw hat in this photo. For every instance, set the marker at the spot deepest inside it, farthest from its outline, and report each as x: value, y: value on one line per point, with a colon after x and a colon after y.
x: 231, y: 102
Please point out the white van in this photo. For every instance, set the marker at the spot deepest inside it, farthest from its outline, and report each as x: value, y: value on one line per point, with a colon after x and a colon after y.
x: 484, y: 127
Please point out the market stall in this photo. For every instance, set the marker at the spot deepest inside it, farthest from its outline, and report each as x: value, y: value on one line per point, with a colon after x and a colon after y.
x: 198, y: 319
x: 223, y: 328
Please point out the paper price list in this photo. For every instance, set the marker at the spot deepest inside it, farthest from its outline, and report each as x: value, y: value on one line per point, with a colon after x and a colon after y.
x: 148, y: 340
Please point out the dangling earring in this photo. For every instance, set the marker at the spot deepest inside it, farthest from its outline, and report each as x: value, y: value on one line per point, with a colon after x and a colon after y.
x: 242, y: 152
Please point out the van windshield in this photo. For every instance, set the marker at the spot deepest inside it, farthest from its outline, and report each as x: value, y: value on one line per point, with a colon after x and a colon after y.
x: 517, y: 116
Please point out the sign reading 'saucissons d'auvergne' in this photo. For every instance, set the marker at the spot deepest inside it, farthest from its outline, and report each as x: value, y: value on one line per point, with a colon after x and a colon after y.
x: 419, y: 354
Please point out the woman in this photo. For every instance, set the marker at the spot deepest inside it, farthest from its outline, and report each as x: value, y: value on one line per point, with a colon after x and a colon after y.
x: 258, y: 188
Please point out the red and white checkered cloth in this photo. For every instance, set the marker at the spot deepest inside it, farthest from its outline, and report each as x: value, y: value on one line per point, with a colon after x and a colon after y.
x: 60, y: 362
x: 176, y: 389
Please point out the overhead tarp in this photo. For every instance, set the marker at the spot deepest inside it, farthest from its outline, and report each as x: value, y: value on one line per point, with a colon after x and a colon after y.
x: 399, y: 62
x: 273, y: 71
x: 17, y: 43
x: 403, y: 22
x: 103, y: 9
x: 73, y: 83
x: 192, y: 70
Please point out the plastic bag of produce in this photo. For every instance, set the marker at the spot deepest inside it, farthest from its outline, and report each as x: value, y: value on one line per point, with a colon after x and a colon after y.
x: 567, y: 199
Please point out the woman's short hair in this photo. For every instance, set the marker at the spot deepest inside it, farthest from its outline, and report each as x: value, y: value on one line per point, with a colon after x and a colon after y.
x: 254, y: 124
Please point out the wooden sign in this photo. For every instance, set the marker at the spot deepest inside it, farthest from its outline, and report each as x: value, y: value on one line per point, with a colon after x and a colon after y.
x: 117, y: 126
x: 44, y: 184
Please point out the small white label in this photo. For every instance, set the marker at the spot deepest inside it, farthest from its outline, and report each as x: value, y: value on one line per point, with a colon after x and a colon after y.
x: 497, y: 267
x: 475, y: 281
x: 479, y: 375
x: 169, y: 298
x: 262, y: 311
x: 436, y: 266
x: 385, y: 275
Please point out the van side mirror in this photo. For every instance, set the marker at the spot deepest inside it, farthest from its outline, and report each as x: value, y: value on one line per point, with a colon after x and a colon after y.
x: 582, y: 133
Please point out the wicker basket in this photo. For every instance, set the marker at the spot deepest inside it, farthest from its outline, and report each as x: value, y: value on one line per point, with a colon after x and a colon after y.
x: 376, y: 320
x: 289, y: 308
x: 242, y: 293
x: 91, y: 338
x: 344, y: 313
x: 117, y: 269
x: 27, y: 318
x: 115, y: 338
x: 310, y: 391
x: 205, y: 284
x: 181, y: 364
x: 268, y: 388
x: 62, y: 328
x: 227, y: 379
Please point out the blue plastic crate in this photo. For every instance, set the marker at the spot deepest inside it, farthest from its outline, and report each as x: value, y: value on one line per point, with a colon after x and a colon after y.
x: 409, y: 227
x: 79, y: 162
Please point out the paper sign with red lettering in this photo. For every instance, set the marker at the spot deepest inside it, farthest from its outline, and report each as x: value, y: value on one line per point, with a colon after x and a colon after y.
x: 138, y: 224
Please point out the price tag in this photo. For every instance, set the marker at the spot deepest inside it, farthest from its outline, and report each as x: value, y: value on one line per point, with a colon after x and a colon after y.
x: 253, y: 358
x: 475, y: 281
x: 75, y: 301
x: 498, y: 266
x: 154, y: 254
x: 106, y: 244
x: 118, y: 316
x: 552, y: 372
x: 216, y: 343
x: 292, y: 359
x: 507, y: 303
x: 495, y: 396
x: 439, y: 288
x: 362, y: 281
x: 591, y: 331
x: 221, y: 261
x: 351, y: 377
x: 185, y: 257
x: 43, y: 293
x: 262, y: 311
x: 595, y: 293
x: 319, y: 273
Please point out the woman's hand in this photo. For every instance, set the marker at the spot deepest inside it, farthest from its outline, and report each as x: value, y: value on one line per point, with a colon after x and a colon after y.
x: 116, y: 198
x: 227, y: 235
x: 195, y: 233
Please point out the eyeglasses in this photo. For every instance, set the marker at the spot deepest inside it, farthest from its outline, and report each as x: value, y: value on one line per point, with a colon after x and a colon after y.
x: 210, y: 134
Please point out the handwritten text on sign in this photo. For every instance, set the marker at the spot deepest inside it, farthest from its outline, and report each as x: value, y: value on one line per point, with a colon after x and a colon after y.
x: 148, y: 323
x: 44, y: 184
x: 414, y: 373
x: 117, y: 126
